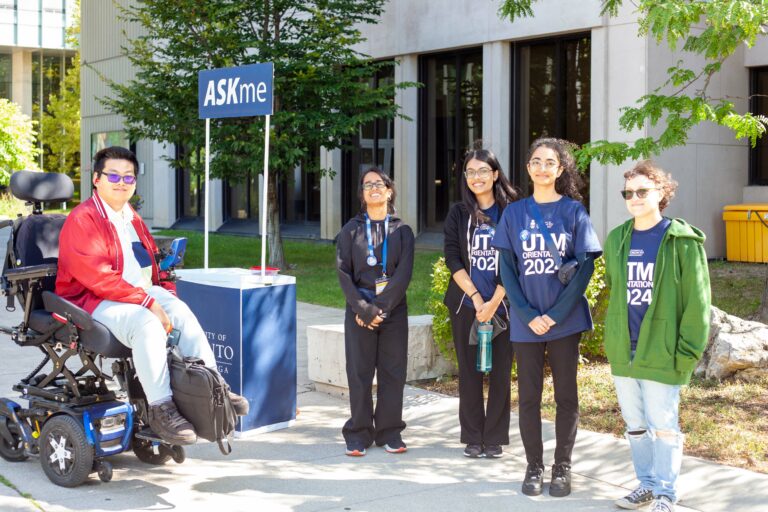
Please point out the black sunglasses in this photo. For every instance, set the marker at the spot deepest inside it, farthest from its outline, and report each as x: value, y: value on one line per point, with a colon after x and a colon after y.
x: 642, y: 193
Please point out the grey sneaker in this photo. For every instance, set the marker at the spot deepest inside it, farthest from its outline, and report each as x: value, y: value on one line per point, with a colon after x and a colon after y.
x: 494, y: 451
x: 638, y: 498
x: 473, y: 451
x: 662, y: 504
x: 166, y: 421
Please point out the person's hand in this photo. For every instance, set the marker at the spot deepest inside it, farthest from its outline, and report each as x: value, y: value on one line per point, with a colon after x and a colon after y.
x: 161, y: 315
x: 539, y: 326
x: 550, y: 322
x: 486, y: 311
x: 376, y: 321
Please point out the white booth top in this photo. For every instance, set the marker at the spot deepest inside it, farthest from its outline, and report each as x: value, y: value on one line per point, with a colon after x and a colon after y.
x: 232, y: 278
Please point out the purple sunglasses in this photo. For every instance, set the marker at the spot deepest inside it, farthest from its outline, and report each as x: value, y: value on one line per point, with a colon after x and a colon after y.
x: 128, y: 179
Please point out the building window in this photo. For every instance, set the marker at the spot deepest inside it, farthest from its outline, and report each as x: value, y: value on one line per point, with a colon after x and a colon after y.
x: 101, y: 140
x: 451, y: 119
x: 550, y: 97
x: 373, y: 146
x: 758, y: 156
x: 6, y: 76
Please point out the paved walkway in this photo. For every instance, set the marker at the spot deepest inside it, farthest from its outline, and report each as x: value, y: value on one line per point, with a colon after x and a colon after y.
x: 303, y: 468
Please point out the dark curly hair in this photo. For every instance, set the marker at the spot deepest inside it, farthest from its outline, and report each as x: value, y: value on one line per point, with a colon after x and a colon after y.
x: 569, y: 183
x: 503, y: 191
x: 656, y: 174
x: 390, y: 187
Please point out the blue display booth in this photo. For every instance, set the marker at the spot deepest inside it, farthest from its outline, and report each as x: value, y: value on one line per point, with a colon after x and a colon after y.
x: 251, y: 326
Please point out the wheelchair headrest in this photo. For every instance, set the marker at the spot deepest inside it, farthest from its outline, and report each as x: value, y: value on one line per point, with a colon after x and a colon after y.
x: 41, y: 186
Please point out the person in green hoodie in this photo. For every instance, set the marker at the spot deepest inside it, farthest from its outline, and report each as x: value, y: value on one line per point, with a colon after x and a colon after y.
x: 656, y: 329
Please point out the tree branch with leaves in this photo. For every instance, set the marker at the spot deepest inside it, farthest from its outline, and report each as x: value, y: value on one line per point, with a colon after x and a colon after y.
x: 711, y: 29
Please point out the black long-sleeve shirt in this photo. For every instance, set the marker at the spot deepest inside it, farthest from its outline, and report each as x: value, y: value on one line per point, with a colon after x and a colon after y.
x: 354, y: 271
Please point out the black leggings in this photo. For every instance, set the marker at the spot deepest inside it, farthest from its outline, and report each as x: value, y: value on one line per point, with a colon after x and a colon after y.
x: 482, y: 425
x: 563, y: 357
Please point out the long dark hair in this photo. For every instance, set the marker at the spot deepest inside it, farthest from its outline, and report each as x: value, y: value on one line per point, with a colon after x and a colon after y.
x: 390, y: 188
x: 503, y: 191
x: 569, y: 183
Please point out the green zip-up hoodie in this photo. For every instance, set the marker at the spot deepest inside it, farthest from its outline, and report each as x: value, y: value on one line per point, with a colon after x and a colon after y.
x: 675, y: 329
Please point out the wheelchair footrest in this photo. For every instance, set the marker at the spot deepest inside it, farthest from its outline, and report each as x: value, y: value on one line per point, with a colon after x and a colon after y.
x: 148, y: 435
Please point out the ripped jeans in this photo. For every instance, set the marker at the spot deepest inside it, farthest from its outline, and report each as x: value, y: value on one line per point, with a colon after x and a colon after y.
x: 650, y: 410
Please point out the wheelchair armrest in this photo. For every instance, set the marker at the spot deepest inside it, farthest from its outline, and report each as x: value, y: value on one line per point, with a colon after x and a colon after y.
x: 31, y: 272
x: 62, y: 307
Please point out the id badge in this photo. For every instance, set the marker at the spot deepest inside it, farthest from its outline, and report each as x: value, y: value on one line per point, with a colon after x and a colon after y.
x: 381, y: 283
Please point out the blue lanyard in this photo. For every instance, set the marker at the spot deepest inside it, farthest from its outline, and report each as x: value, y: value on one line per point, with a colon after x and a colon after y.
x: 371, y: 257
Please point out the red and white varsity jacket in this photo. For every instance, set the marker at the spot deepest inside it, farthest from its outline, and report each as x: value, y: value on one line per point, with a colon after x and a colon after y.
x: 91, y: 259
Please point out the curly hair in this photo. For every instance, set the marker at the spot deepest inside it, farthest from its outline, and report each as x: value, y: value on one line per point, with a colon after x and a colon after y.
x: 569, y: 183
x: 656, y: 174
x: 503, y: 191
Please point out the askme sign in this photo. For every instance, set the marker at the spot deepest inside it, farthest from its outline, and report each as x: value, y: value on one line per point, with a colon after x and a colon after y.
x: 241, y: 91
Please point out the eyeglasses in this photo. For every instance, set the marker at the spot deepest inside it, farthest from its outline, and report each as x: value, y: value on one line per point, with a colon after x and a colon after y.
x: 374, y: 184
x: 128, y: 179
x: 549, y: 165
x: 642, y: 193
x: 482, y: 172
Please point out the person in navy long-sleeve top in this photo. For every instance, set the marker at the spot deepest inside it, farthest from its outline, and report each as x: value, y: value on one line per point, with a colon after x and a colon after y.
x: 547, y: 316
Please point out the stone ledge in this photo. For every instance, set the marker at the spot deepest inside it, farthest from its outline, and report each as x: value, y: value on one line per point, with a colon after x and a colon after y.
x: 326, y: 361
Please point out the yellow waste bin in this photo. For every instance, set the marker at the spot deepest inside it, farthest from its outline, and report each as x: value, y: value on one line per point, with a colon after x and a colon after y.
x: 746, y: 232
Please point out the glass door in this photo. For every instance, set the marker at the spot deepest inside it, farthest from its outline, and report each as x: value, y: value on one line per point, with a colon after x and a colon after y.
x: 452, y: 119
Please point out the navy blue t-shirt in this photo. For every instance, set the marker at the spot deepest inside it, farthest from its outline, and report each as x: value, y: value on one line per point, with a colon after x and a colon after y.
x: 483, y: 258
x: 572, y: 231
x: 640, y: 265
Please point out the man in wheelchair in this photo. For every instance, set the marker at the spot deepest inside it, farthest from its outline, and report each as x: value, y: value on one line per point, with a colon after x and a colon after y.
x: 107, y: 267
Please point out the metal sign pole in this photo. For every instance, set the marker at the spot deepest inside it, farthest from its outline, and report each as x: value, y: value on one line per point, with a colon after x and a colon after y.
x: 207, y: 188
x: 264, y: 200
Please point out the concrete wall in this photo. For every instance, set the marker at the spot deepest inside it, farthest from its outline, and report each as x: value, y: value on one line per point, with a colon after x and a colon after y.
x: 101, y: 39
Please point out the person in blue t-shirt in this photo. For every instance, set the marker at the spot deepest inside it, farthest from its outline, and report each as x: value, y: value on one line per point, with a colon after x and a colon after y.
x: 547, y: 316
x: 475, y: 294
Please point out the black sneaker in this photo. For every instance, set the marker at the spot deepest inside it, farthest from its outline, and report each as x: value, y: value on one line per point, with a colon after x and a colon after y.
x: 355, y: 449
x: 166, y: 421
x: 534, y: 479
x: 473, y: 451
x: 494, y: 451
x: 561, y: 480
x: 636, y: 499
x: 396, y: 446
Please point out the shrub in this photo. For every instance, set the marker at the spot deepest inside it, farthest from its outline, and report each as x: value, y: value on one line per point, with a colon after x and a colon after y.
x: 597, y: 296
x: 441, y: 322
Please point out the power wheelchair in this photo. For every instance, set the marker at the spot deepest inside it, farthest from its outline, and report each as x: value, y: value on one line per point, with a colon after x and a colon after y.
x: 75, y: 419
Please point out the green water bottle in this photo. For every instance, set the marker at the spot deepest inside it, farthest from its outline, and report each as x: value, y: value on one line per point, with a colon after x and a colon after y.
x: 484, y: 347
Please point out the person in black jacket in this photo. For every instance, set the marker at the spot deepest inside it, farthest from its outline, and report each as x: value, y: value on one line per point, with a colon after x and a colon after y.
x: 374, y: 257
x: 475, y: 294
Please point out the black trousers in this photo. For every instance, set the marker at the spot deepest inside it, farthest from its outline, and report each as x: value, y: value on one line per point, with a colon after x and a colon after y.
x: 383, y: 351
x: 563, y: 357
x: 482, y: 425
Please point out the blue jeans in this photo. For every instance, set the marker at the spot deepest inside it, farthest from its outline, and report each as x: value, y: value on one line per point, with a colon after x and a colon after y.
x: 650, y: 410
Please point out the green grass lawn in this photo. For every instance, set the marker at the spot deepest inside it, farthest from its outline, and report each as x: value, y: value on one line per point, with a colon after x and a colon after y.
x: 737, y: 287
x: 313, y: 265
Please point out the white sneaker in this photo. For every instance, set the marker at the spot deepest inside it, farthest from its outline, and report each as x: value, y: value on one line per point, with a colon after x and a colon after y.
x: 662, y: 504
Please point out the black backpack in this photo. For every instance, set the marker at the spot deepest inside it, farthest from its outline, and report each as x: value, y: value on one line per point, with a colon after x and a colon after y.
x: 202, y: 397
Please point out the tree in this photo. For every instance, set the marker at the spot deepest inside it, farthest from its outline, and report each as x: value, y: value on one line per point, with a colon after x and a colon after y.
x: 17, y: 141
x: 321, y: 90
x: 712, y: 29
x: 61, y: 120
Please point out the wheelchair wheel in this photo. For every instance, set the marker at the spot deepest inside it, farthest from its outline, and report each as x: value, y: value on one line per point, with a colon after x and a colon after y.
x: 65, y: 454
x: 13, y: 451
x: 145, y: 451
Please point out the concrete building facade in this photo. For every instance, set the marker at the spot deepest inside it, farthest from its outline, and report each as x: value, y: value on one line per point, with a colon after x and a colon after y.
x: 565, y: 72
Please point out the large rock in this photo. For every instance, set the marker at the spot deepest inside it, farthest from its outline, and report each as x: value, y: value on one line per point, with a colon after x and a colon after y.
x: 737, y: 348
x: 326, y: 362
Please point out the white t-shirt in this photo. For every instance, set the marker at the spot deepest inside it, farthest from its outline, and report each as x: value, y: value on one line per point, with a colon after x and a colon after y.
x: 137, y: 263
